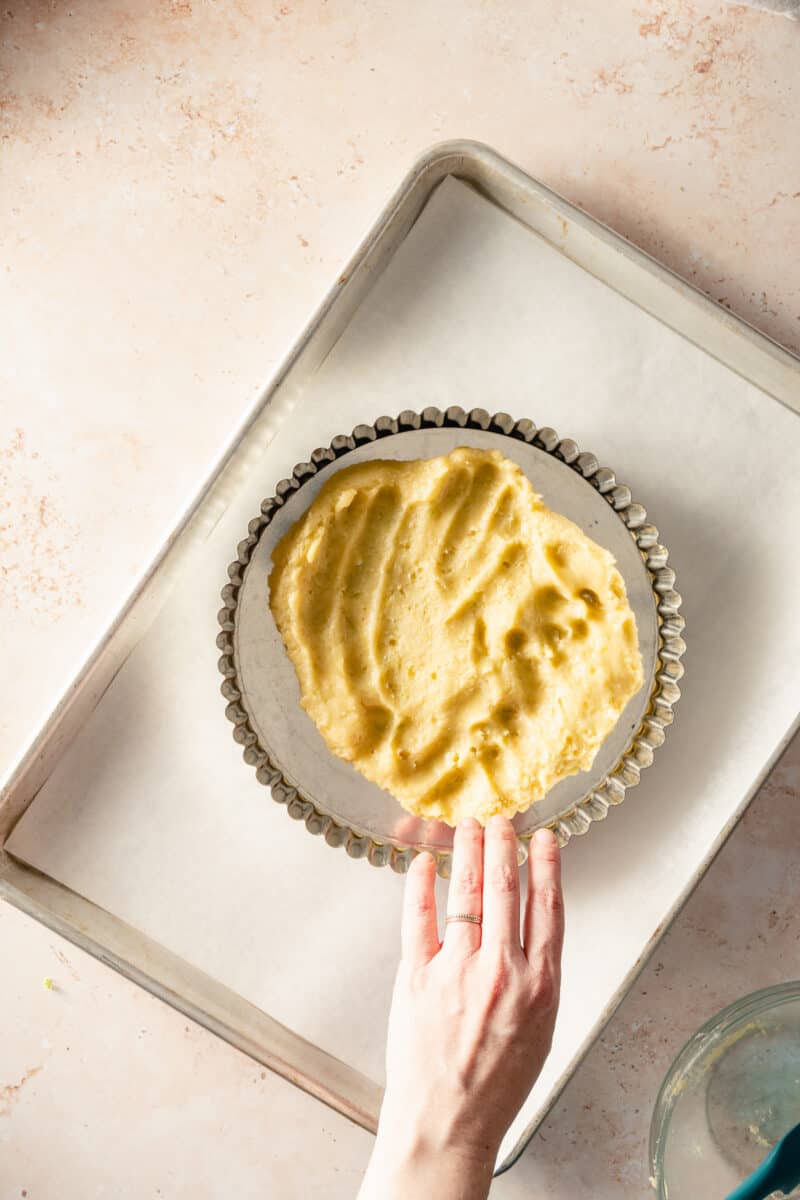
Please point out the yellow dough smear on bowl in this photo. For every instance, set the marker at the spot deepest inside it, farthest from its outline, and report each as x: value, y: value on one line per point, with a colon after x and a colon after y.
x: 461, y: 644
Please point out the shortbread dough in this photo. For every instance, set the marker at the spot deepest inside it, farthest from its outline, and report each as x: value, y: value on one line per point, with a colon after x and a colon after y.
x: 461, y: 644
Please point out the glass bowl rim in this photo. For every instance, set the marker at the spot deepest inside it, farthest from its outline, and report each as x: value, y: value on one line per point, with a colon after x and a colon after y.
x: 745, y: 1008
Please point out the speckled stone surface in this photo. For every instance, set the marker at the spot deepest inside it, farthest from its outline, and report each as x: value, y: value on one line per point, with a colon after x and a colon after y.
x: 181, y: 183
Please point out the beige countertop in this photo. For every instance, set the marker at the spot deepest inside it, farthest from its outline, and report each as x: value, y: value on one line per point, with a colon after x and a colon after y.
x: 182, y: 182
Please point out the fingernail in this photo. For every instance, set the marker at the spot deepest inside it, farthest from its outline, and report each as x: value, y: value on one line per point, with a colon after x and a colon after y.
x: 499, y: 821
x: 469, y: 823
x: 545, y: 837
x: 423, y: 860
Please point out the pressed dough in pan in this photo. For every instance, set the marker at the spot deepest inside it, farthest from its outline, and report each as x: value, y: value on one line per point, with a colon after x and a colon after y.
x: 461, y: 644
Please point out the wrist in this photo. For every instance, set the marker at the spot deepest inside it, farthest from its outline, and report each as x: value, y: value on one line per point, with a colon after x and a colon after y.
x: 412, y: 1159
x: 423, y: 1130
x: 397, y: 1172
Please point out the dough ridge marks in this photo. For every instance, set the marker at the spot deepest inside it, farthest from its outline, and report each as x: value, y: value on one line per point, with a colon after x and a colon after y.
x: 462, y: 645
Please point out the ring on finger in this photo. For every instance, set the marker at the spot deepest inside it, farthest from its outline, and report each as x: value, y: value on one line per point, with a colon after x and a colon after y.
x: 471, y: 917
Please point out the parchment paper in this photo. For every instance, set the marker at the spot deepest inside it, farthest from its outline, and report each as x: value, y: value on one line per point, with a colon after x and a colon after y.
x: 152, y: 813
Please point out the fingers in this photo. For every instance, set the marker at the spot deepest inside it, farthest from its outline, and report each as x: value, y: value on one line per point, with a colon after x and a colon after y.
x: 500, y: 884
x: 544, y: 913
x: 466, y: 882
x: 419, y: 932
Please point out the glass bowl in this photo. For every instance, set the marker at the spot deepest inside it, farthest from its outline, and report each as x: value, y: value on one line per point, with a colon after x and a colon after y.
x: 729, y: 1096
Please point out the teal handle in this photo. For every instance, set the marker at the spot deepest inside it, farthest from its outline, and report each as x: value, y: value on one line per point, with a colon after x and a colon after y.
x: 759, y: 1185
x: 779, y: 1172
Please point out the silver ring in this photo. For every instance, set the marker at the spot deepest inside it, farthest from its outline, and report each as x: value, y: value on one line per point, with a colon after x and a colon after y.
x: 464, y: 917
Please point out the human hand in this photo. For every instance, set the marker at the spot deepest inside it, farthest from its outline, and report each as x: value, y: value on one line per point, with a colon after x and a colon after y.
x: 472, y: 1018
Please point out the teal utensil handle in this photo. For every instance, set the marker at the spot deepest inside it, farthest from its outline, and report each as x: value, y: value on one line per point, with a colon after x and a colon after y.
x: 779, y: 1172
x: 759, y: 1185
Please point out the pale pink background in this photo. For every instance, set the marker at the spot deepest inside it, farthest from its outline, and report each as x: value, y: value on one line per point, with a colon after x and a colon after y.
x: 181, y: 183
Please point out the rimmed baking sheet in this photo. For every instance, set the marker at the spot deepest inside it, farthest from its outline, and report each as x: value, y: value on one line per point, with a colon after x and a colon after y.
x: 151, y: 813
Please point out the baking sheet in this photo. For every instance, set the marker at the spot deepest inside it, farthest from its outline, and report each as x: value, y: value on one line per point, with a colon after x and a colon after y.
x: 152, y: 813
